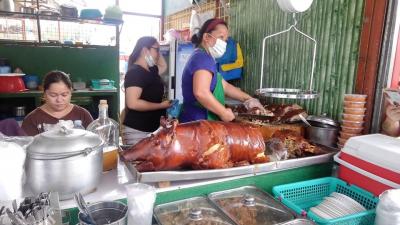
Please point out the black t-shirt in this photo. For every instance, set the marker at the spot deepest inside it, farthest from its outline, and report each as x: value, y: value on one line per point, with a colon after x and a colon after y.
x: 152, y: 91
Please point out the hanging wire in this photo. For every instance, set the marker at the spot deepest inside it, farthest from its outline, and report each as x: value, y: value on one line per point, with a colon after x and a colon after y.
x: 292, y: 26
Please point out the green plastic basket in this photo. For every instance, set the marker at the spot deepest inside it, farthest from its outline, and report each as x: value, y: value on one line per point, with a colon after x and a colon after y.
x: 301, y: 196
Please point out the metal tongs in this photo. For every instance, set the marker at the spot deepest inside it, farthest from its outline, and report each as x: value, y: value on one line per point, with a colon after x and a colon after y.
x: 80, y: 201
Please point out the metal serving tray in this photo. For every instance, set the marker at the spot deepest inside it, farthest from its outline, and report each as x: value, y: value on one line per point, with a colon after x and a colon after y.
x: 160, y: 176
x: 286, y: 93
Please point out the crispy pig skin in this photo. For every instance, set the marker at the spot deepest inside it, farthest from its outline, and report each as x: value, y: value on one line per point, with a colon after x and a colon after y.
x: 198, y: 145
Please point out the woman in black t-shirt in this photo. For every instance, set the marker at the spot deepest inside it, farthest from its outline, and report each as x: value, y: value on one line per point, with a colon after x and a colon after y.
x: 144, y: 91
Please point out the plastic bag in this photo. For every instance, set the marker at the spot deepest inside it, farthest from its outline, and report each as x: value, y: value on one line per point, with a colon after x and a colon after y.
x: 12, y: 159
x: 22, y: 141
x: 388, y: 208
x: 141, y: 198
x: 174, y: 110
x: 195, y: 23
x: 61, y: 123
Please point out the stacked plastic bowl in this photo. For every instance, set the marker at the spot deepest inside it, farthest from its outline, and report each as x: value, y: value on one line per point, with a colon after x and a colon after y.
x: 353, y: 117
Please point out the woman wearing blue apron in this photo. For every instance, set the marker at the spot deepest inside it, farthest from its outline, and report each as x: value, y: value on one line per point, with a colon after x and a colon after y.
x: 203, y: 88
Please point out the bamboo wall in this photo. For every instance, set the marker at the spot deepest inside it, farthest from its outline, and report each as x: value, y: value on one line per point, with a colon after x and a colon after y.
x: 335, y: 24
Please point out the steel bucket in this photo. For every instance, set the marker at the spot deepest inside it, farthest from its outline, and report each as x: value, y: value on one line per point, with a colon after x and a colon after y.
x: 113, y: 213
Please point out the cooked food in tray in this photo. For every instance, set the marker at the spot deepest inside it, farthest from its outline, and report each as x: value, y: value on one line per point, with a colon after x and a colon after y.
x: 198, y: 145
x: 288, y: 145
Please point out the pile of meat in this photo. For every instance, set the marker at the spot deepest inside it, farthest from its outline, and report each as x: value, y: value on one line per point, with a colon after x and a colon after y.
x: 272, y: 114
x: 208, y: 217
x: 198, y: 145
x: 244, y: 215
x: 286, y: 144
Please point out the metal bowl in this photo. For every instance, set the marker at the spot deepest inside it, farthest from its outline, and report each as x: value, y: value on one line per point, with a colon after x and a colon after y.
x: 113, y: 213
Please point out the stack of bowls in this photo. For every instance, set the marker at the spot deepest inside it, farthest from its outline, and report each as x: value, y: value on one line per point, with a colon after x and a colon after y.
x: 353, y: 117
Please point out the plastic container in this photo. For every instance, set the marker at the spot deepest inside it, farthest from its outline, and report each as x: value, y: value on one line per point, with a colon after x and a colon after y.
x: 350, y: 104
x: 355, y: 118
x: 355, y: 111
x: 346, y: 136
x: 355, y: 98
x: 388, y: 209
x: 353, y: 124
x: 250, y: 206
x: 31, y: 81
x: 352, y: 130
x: 103, y: 84
x: 301, y: 196
x: 371, y: 162
x: 11, y: 83
x: 194, y: 211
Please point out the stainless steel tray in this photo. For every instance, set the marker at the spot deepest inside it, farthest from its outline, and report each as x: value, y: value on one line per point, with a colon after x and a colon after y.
x: 286, y: 93
x: 299, y: 222
x: 160, y: 176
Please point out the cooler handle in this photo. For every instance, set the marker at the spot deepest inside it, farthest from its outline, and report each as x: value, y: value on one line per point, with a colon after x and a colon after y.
x: 365, y: 173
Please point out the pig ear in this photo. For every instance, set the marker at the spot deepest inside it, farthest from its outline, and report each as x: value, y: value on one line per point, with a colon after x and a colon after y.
x: 172, y: 128
x: 174, y: 124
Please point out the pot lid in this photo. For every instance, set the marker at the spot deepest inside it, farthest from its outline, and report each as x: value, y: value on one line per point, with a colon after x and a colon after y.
x: 190, y: 211
x: 252, y: 205
x: 64, y: 140
x: 323, y: 119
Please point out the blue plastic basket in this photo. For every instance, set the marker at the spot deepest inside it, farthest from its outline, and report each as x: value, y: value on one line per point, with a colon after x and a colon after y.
x: 301, y: 196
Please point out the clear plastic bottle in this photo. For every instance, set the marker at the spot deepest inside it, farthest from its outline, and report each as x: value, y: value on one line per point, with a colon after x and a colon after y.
x: 78, y: 124
x: 108, y: 131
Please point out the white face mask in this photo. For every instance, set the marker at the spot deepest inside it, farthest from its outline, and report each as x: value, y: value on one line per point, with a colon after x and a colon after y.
x: 149, y: 60
x: 218, y: 50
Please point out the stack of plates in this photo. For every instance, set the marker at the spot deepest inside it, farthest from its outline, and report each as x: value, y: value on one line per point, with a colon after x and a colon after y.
x: 337, y: 205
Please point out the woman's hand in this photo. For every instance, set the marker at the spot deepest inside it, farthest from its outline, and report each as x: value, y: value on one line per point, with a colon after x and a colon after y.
x: 228, y: 115
x: 166, y: 104
x: 254, y: 103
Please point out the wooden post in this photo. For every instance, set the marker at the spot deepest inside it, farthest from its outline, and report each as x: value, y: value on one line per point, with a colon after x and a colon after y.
x: 370, y: 49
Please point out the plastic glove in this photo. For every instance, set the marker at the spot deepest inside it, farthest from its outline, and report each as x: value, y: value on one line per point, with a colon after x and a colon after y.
x: 254, y: 103
x: 174, y: 110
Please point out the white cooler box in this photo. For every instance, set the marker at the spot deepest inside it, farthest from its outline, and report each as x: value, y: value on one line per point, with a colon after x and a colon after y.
x: 371, y: 162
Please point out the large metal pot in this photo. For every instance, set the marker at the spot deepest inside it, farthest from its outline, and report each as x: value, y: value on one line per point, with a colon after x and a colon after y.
x: 64, y: 160
x: 323, y: 130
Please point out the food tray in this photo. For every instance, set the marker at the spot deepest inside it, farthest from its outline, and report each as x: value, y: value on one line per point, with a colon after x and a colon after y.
x: 299, y: 222
x: 287, y: 93
x: 160, y: 176
x: 301, y: 196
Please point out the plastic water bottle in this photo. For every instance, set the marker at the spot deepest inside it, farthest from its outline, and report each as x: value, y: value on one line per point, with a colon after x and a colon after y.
x: 78, y: 124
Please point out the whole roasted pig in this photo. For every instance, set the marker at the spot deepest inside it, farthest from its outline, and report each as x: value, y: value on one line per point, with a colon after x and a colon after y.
x: 198, y: 145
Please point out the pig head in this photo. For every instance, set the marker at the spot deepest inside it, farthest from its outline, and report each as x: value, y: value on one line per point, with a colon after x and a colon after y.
x: 198, y: 145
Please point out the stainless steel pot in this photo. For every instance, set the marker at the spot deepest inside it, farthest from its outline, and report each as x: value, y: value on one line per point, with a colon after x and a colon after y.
x: 64, y: 160
x: 323, y: 130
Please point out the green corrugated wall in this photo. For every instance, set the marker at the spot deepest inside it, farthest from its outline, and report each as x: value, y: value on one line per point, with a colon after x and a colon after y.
x: 336, y: 26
